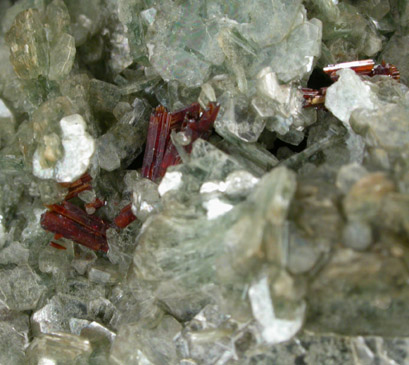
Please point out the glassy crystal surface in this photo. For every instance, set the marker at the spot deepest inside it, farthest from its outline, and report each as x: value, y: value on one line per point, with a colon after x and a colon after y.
x: 21, y: 288
x: 278, y: 237
x: 347, y: 94
x: 60, y: 348
x: 28, y: 45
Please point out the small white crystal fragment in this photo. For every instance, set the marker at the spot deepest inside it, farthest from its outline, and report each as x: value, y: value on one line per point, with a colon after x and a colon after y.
x: 240, y: 183
x: 78, y: 146
x: 348, y: 94
x: 216, y: 207
x: 4, y: 111
x: 171, y: 181
x: 275, y: 330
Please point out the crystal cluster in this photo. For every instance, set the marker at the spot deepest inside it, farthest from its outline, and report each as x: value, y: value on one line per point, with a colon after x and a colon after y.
x: 204, y: 182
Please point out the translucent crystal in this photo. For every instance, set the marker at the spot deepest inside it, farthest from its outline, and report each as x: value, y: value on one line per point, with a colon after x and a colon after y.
x: 279, y: 104
x: 124, y: 141
x: 15, y: 253
x: 62, y: 56
x: 55, y: 315
x: 306, y: 40
x: 14, y: 336
x: 16, y: 8
x: 195, y: 342
x: 155, y: 344
x: 232, y: 257
x: 102, y: 274
x: 21, y: 288
x: 347, y: 94
x: 54, y: 261
x: 236, y: 118
x: 28, y: 45
x: 145, y: 199
x: 268, y: 22
x: 61, y: 348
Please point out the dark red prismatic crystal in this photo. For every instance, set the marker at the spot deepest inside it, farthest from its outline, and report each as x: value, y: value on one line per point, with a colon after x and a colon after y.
x: 125, y: 217
x: 364, y: 68
x: 69, y: 221
x: 160, y: 152
x: 316, y: 97
x: 78, y: 186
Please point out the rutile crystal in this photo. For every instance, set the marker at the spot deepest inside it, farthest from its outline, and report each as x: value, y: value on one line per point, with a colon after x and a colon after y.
x: 160, y: 152
x: 71, y: 222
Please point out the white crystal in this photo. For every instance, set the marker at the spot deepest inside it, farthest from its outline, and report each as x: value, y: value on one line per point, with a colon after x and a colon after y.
x: 275, y: 330
x: 171, y: 181
x: 4, y: 111
x: 216, y: 207
x: 348, y: 94
x: 78, y: 146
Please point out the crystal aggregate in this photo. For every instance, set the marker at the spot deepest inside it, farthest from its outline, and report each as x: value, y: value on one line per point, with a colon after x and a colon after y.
x: 204, y: 182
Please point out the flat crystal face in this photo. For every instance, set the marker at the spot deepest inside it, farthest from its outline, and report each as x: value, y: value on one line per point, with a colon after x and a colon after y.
x: 204, y: 182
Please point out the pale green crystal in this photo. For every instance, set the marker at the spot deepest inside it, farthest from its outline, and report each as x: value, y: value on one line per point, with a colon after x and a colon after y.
x: 14, y: 333
x: 62, y: 55
x: 347, y: 94
x: 21, y: 288
x: 62, y: 348
x: 233, y: 257
x: 305, y: 39
x: 28, y: 45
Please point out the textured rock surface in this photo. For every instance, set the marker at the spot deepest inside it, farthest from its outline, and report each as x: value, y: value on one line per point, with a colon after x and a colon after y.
x: 279, y: 237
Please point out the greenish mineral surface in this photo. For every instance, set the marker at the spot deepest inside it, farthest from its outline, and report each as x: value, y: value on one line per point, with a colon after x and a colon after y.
x: 281, y: 239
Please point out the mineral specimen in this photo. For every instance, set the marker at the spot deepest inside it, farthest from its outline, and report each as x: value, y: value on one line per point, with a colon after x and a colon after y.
x: 222, y: 182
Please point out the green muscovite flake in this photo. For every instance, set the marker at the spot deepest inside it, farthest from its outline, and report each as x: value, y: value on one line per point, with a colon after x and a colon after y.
x: 62, y: 55
x: 35, y: 53
x: 28, y: 45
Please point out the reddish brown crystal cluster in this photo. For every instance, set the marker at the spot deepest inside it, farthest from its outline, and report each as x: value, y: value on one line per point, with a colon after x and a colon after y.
x: 69, y: 221
x: 160, y: 152
x: 363, y: 68
x: 316, y: 97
